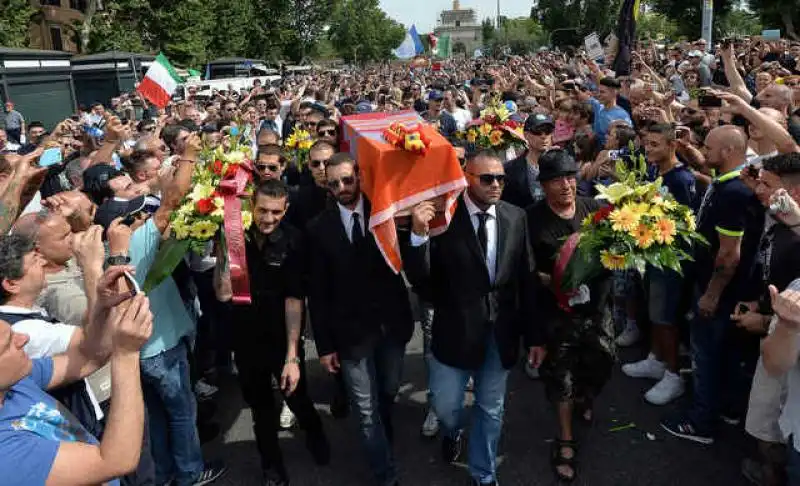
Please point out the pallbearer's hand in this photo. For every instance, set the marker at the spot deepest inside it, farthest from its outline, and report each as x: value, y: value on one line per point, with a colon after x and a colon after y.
x: 330, y: 362
x: 421, y: 217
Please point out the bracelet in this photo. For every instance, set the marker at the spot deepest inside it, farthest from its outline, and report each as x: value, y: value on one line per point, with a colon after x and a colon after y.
x: 294, y: 360
x: 116, y: 260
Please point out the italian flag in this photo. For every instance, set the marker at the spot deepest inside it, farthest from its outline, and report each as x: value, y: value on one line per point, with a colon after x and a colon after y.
x: 160, y: 82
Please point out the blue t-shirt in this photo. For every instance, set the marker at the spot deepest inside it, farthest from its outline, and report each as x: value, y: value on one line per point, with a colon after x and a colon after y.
x: 603, y: 117
x: 682, y: 184
x: 171, y: 322
x: 729, y: 208
x: 32, y: 426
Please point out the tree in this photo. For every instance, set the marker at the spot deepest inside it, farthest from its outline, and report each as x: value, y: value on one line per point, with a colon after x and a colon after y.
x: 121, y: 25
x: 181, y: 28
x: 582, y: 17
x: 231, y: 32
x: 654, y: 25
x: 521, y: 35
x: 783, y: 14
x: 740, y: 22
x: 688, y: 15
x: 487, y: 31
x: 15, y: 17
x: 360, y: 31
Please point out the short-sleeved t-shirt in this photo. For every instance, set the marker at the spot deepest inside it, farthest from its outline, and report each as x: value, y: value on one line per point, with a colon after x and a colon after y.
x: 682, y: 184
x: 729, y: 208
x: 32, y: 426
x: 603, y: 117
x: 171, y: 322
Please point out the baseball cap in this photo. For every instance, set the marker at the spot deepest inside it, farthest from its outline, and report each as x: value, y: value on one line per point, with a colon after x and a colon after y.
x: 114, y: 208
x: 435, y: 95
x: 95, y: 182
x: 538, y: 121
x: 556, y: 163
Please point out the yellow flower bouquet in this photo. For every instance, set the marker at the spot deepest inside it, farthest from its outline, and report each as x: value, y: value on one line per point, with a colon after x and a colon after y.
x: 494, y: 129
x: 642, y: 225
x: 299, y: 145
x: 217, y: 206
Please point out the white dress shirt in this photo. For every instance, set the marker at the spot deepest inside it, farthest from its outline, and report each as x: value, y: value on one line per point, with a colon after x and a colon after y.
x: 491, y: 234
x: 347, y: 218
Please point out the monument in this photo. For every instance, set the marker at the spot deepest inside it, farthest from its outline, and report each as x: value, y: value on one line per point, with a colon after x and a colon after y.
x: 462, y: 26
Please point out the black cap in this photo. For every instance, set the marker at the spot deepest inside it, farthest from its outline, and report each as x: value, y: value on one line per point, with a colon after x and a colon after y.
x: 95, y: 182
x: 538, y: 121
x: 556, y: 163
x: 114, y: 208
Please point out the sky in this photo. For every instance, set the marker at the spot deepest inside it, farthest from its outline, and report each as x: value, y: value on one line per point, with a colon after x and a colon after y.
x: 424, y: 13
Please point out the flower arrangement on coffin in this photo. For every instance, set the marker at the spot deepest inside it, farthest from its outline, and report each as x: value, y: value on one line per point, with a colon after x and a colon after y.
x: 641, y: 225
x: 495, y: 129
x: 409, y: 139
x: 218, y: 206
x: 299, y: 144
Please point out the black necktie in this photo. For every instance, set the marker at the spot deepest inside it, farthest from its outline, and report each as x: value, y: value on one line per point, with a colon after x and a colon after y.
x: 483, y: 237
x: 357, y: 234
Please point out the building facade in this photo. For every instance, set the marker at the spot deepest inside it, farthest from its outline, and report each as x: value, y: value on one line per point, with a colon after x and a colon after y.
x: 462, y: 25
x: 53, y: 27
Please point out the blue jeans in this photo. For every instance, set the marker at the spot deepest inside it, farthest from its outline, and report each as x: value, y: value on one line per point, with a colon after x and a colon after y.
x: 447, y: 387
x: 716, y: 367
x: 372, y: 384
x: 172, y: 411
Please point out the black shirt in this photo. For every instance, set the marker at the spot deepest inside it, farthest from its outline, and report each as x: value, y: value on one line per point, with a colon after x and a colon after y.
x: 276, y: 270
x: 779, y: 259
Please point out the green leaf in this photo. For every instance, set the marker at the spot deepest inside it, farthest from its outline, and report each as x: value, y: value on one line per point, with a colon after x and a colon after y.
x: 167, y: 259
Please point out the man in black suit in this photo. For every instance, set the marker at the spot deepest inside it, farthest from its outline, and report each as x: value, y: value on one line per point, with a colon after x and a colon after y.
x: 522, y: 187
x: 360, y: 311
x: 480, y: 277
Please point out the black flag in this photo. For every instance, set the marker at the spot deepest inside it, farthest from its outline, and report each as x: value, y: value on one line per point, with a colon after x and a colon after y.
x: 626, y: 35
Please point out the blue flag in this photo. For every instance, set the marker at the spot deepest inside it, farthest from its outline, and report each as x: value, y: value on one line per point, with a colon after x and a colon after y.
x: 411, y: 45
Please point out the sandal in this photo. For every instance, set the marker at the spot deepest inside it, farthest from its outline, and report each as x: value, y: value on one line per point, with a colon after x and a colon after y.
x: 558, y: 460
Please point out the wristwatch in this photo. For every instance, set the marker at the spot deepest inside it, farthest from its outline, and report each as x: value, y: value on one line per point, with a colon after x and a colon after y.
x: 117, y: 260
x: 294, y: 360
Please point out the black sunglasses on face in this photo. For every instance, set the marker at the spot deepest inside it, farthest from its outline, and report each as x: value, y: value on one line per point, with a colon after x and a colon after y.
x: 324, y: 133
x: 488, y: 179
x: 344, y: 181
x: 315, y: 164
x: 269, y: 167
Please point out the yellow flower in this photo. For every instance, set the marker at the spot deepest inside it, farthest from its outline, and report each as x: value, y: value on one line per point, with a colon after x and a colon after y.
x: 624, y: 219
x: 587, y: 221
x: 291, y: 141
x: 612, y: 261
x: 472, y: 135
x: 179, y: 228
x: 201, y: 191
x: 614, y: 192
x: 665, y: 231
x: 496, y: 137
x: 305, y: 144
x: 485, y: 129
x: 219, y: 212
x: 670, y: 205
x: 643, y: 235
x: 640, y: 208
x: 203, y: 230
x: 247, y: 219
x: 655, y: 212
x: 690, y: 222
x: 235, y: 157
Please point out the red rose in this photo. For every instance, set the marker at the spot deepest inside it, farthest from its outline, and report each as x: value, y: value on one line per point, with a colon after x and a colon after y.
x: 602, y: 213
x: 230, y: 172
x: 205, y: 206
x: 216, y: 167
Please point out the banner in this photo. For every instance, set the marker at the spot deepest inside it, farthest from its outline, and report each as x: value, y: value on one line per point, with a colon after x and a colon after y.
x: 411, y: 45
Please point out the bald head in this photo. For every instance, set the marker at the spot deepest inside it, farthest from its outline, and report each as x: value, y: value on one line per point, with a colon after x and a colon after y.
x: 28, y: 225
x: 726, y: 147
x: 777, y: 96
x: 50, y: 231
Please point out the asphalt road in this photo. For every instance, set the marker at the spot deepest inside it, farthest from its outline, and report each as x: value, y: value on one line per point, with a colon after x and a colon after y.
x: 626, y: 457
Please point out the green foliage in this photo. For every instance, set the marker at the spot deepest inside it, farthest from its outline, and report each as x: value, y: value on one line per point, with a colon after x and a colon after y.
x: 778, y: 14
x: 656, y: 26
x: 739, y: 22
x: 688, y: 14
x: 487, y: 31
x: 520, y: 35
x: 15, y: 16
x: 360, y: 31
x: 586, y: 16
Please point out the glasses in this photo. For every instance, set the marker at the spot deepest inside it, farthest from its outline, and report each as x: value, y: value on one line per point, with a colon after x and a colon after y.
x: 488, y: 179
x: 316, y: 164
x: 325, y: 133
x: 344, y: 181
x: 269, y: 167
x: 793, y: 84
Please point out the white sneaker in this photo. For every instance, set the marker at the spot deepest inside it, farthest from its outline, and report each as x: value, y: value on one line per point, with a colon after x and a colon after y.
x: 646, y: 368
x: 628, y: 337
x: 430, y: 427
x: 287, y: 417
x: 204, y: 390
x: 669, y: 388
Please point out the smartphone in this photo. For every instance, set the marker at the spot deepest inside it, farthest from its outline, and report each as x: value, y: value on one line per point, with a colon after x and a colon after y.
x: 613, y: 154
x: 133, y: 283
x: 131, y: 218
x: 709, y: 101
x: 49, y: 157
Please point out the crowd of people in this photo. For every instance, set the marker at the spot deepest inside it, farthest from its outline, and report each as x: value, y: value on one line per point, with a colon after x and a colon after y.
x: 100, y: 383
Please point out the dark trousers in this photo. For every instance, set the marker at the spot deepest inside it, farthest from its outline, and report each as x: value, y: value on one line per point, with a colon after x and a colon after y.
x: 256, y: 368
x: 145, y: 473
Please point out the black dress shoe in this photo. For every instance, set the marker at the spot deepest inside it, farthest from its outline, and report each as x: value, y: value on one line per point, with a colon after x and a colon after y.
x: 317, y: 444
x: 451, y: 448
x: 274, y: 478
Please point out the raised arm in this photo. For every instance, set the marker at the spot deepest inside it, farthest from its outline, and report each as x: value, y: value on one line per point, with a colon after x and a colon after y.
x: 180, y: 184
x: 769, y: 127
x: 737, y: 84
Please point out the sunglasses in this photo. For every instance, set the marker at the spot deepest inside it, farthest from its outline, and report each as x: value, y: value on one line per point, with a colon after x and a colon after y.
x: 323, y: 133
x: 488, y: 179
x: 793, y: 84
x: 269, y: 167
x: 344, y: 181
x: 316, y: 164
